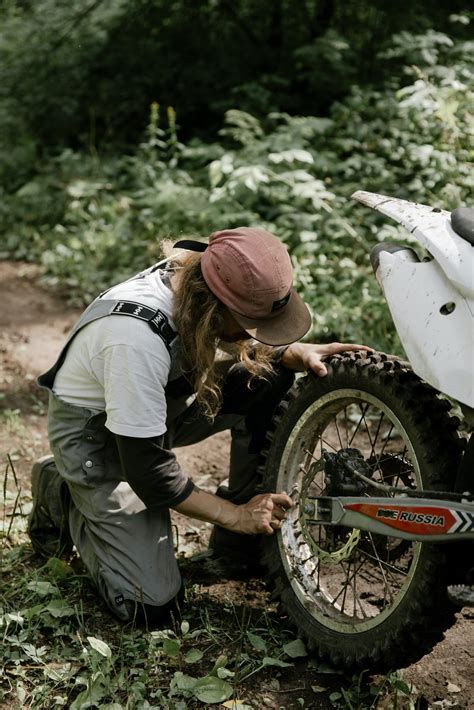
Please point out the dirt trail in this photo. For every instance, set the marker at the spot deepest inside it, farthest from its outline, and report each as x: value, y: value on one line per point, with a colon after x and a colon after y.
x: 33, y: 325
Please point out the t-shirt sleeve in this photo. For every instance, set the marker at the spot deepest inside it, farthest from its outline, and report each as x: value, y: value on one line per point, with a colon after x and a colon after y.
x: 153, y: 472
x: 134, y: 389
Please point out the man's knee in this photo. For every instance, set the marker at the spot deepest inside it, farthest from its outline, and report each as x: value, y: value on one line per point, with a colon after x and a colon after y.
x: 148, y: 615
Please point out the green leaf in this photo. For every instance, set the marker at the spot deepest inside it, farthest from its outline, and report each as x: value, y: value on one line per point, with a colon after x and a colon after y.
x: 161, y: 634
x: 33, y: 611
x: 185, y: 627
x: 171, y: 647
x: 33, y: 652
x: 295, y: 649
x: 58, y: 608
x: 220, y: 663
x: 257, y: 642
x: 42, y: 589
x: 57, y: 569
x: 181, y: 681
x: 15, y: 618
x: 60, y: 673
x: 193, y: 655
x: 89, y: 697
x: 212, y: 690
x: 269, y: 661
x: 400, y: 685
x: 100, y: 646
x: 291, y: 156
x: 326, y: 668
x: 21, y: 694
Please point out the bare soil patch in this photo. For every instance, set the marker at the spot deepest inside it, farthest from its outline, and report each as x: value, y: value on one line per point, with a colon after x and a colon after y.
x: 33, y: 326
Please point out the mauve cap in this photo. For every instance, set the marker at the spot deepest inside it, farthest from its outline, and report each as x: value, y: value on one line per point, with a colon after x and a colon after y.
x: 249, y: 270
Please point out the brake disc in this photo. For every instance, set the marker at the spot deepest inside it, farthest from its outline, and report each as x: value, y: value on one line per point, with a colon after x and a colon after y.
x: 335, y: 556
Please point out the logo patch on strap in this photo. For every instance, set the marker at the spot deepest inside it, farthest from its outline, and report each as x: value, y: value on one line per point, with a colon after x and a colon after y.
x: 157, y: 320
x: 161, y: 326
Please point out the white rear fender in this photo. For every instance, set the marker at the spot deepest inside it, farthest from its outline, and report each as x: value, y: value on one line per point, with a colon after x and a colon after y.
x: 433, y: 320
x: 432, y: 228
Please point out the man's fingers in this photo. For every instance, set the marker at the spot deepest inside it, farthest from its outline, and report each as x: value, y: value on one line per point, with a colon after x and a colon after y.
x: 317, y: 366
x: 267, y: 529
x: 282, y: 499
x: 281, y: 503
x: 315, y: 361
x: 353, y: 346
x: 333, y: 348
x: 269, y: 510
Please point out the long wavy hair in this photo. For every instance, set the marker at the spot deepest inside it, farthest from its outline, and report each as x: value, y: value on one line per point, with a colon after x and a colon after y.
x: 199, y: 318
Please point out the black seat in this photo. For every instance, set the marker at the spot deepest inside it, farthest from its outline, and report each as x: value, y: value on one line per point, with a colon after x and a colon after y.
x: 462, y: 221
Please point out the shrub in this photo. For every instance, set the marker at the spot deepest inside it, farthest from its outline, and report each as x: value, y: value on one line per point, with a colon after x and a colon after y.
x: 95, y: 222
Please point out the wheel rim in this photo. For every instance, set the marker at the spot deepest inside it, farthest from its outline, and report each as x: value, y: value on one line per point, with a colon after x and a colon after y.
x: 349, y: 581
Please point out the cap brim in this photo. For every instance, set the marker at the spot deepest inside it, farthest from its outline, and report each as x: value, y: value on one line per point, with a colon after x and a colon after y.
x: 288, y: 326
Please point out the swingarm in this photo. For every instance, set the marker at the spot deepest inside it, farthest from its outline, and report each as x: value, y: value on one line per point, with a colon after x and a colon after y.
x: 420, y: 519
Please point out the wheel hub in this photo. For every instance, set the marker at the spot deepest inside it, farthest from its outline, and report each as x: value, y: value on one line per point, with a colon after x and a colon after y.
x: 339, y: 468
x: 338, y: 482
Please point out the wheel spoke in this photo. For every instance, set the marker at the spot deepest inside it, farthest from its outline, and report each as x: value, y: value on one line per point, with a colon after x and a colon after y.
x: 387, y: 439
x: 328, y: 444
x: 318, y: 572
x: 345, y: 587
x: 347, y: 582
x: 346, y: 425
x: 356, y: 600
x: 338, y: 433
x: 357, y: 427
x: 387, y: 566
x: 372, y: 451
x: 366, y: 426
x: 386, y: 587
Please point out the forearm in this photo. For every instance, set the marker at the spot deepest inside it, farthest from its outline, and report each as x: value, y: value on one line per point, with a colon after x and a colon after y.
x: 262, y: 514
x: 210, y: 508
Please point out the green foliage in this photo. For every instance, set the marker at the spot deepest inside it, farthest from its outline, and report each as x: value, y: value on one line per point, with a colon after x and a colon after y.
x: 85, y: 71
x: 390, y: 692
x: 59, y: 650
x: 93, y: 222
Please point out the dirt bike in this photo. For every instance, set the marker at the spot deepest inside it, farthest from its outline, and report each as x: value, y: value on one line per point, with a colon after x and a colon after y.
x: 374, y: 462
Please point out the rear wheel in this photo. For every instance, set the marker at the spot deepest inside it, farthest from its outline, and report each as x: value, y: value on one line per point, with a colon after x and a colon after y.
x: 360, y: 598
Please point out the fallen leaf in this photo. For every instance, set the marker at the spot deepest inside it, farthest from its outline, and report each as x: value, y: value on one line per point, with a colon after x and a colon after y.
x: 318, y: 689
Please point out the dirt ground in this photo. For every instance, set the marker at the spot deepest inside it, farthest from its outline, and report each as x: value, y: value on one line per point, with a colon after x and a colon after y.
x: 33, y: 324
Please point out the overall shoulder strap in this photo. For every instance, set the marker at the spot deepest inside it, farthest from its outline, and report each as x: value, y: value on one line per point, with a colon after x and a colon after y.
x: 157, y: 320
x: 101, y: 307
